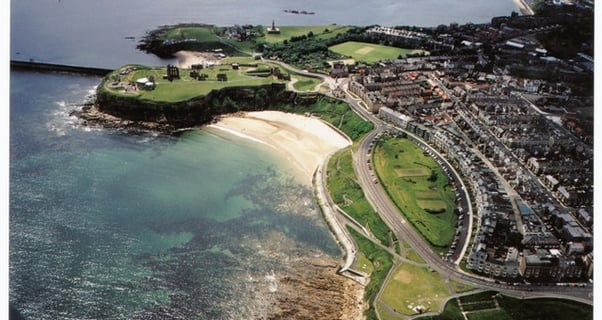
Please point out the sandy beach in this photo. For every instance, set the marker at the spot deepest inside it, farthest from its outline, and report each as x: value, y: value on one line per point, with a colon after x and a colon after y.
x: 303, y: 141
x: 188, y: 58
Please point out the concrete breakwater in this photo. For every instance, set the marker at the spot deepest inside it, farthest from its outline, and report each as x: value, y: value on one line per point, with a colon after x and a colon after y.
x: 52, y: 67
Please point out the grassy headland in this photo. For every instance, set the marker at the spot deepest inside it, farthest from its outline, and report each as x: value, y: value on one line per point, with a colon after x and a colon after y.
x: 122, y: 82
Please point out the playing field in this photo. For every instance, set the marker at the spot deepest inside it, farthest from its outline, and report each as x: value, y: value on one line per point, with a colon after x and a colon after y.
x: 412, y: 288
x: 368, y: 52
x: 419, y: 188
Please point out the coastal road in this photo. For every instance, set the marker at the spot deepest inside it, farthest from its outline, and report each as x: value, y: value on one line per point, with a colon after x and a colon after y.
x: 383, y: 205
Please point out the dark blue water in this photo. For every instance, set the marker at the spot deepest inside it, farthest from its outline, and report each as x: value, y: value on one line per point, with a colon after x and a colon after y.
x: 106, y: 225
x: 85, y: 32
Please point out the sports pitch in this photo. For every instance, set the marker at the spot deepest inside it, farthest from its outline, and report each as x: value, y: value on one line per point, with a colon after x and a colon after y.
x: 368, y: 52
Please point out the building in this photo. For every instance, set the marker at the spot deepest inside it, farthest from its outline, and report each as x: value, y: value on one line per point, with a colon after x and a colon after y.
x: 273, y: 29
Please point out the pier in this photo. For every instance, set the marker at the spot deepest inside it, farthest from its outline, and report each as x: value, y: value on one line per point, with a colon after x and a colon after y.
x: 51, y: 67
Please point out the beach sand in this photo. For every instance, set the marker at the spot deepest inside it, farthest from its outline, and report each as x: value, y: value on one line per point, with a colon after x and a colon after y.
x: 311, y: 289
x: 302, y: 140
x: 188, y: 58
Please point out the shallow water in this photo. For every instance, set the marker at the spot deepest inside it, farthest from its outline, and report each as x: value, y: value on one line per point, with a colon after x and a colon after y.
x: 109, y: 225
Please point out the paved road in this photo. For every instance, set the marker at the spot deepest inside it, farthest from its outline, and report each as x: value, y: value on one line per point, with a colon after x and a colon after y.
x: 383, y: 205
x: 404, y: 230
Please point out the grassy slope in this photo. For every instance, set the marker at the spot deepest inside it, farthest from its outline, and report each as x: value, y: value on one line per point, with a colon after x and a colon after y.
x: 382, y: 262
x: 394, y: 156
x: 413, y: 285
x: 368, y: 52
x: 286, y: 32
x: 347, y: 193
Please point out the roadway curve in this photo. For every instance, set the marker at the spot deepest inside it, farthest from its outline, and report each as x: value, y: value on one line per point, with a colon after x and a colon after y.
x: 389, y: 212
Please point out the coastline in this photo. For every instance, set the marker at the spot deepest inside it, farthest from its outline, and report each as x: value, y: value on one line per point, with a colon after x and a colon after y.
x: 302, y: 141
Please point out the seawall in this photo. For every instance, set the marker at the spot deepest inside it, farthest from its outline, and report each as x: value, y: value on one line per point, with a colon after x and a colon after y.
x: 51, y: 67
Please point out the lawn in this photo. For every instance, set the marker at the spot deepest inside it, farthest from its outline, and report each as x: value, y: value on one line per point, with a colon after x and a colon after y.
x: 412, y: 255
x: 368, y: 52
x: 186, y: 87
x: 201, y: 34
x: 286, y: 32
x: 305, y: 83
x: 411, y: 287
x: 348, y: 195
x: 418, y: 187
x: 382, y: 262
x: 514, y: 309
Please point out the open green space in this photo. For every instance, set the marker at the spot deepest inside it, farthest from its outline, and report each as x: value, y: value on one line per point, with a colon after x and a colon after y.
x: 368, y: 52
x: 181, y: 89
x: 305, y: 83
x: 319, y: 31
x: 382, y: 262
x: 201, y: 34
x: 412, y: 255
x: 422, y: 192
x: 363, y: 264
x: 459, y: 287
x: 341, y: 116
x: 482, y: 306
x: 412, y: 288
x: 346, y: 192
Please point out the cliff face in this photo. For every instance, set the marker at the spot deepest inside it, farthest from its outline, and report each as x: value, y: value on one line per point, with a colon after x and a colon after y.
x: 197, y: 111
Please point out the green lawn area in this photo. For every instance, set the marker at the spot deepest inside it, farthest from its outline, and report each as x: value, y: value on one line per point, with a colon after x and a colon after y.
x: 514, y: 309
x: 340, y: 115
x: 459, y: 287
x: 368, y: 52
x: 202, y: 34
x: 363, y: 264
x: 413, y: 256
x: 286, y: 32
x: 305, y: 83
x: 382, y: 262
x: 186, y: 87
x: 349, y: 196
x: 411, y: 286
x: 419, y: 188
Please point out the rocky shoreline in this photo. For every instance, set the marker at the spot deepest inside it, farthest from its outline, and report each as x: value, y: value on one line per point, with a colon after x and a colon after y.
x: 91, y: 116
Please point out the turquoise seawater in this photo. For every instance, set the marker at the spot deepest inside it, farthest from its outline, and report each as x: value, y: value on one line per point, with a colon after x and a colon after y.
x: 109, y: 225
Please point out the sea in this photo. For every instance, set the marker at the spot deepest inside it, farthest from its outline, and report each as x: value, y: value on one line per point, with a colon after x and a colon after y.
x: 105, y: 224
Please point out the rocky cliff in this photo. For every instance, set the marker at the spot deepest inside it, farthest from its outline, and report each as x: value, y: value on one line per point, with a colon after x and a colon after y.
x: 113, y: 110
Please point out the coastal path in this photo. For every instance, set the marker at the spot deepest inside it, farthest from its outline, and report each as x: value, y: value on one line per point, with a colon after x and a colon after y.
x: 389, y: 212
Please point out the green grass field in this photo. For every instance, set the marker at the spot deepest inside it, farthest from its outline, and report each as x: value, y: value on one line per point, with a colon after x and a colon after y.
x: 202, y: 34
x: 482, y: 306
x: 286, y: 32
x: 347, y: 194
x: 382, y: 262
x: 186, y: 87
x: 368, y: 52
x: 411, y: 286
x: 418, y: 187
